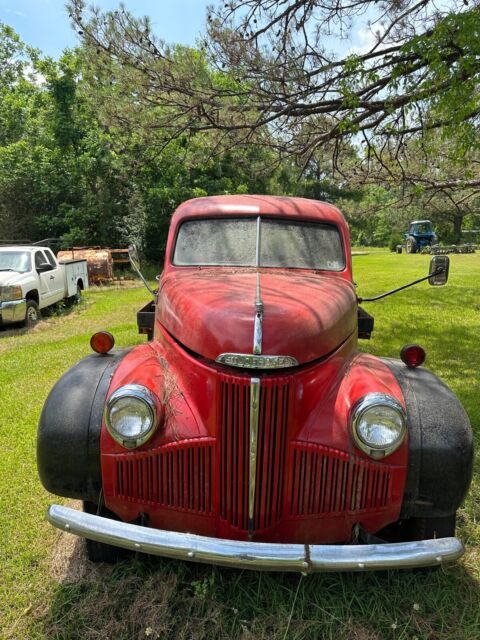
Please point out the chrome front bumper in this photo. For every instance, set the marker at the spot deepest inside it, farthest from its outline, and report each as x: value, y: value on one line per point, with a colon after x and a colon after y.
x: 256, y: 555
x: 12, y: 311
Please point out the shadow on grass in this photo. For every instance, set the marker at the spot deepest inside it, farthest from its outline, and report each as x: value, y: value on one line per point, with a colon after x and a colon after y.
x: 147, y: 597
x: 56, y: 311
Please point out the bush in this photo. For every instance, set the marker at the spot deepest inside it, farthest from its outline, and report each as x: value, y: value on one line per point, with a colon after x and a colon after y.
x: 395, y: 239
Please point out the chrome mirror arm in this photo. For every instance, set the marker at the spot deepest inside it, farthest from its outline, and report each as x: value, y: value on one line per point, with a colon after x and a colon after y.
x: 133, y: 256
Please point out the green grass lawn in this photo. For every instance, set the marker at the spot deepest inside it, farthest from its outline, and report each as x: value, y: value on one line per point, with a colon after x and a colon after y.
x: 49, y: 590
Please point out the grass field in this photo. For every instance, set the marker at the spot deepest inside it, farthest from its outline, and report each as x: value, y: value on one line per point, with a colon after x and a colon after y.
x: 49, y: 590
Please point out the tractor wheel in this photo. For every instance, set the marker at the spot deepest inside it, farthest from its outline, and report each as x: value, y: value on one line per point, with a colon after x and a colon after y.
x: 100, y: 551
x: 411, y: 245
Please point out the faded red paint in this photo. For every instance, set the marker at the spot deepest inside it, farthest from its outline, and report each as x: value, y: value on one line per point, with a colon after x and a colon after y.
x: 313, y: 484
x: 305, y: 315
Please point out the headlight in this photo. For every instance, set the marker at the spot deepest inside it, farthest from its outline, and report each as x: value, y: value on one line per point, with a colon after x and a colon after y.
x: 132, y: 415
x: 378, y: 424
x: 10, y: 293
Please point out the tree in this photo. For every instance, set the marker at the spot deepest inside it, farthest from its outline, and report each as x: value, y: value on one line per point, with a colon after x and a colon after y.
x: 420, y: 72
x: 70, y: 169
x: 430, y: 177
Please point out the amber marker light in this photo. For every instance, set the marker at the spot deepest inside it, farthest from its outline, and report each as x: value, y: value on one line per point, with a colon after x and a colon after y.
x: 413, y: 355
x: 102, y: 342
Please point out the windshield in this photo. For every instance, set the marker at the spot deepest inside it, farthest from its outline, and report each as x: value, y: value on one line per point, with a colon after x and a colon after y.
x: 284, y: 243
x: 422, y: 227
x: 14, y: 261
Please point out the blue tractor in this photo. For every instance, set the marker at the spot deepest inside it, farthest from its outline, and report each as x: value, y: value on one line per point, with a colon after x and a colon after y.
x: 420, y: 234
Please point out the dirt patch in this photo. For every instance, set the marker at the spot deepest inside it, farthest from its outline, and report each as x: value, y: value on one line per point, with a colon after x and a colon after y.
x: 69, y: 562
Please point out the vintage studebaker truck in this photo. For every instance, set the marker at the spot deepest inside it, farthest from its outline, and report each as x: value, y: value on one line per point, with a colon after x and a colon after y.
x: 250, y: 431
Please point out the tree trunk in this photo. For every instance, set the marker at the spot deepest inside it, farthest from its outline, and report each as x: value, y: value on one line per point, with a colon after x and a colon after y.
x: 457, y: 229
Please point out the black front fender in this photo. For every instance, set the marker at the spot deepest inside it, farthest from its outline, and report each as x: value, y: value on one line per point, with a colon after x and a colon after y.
x: 68, y: 441
x: 440, y: 444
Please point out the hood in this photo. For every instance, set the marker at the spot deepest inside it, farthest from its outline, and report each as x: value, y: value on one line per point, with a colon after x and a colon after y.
x: 11, y: 277
x: 212, y: 311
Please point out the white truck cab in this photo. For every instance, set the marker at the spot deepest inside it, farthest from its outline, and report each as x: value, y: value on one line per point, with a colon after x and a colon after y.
x: 31, y: 279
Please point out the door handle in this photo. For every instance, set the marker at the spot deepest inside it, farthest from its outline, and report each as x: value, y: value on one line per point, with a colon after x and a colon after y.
x: 52, y: 277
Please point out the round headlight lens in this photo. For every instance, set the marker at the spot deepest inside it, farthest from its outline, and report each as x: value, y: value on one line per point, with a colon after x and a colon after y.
x: 131, y: 415
x: 379, y: 424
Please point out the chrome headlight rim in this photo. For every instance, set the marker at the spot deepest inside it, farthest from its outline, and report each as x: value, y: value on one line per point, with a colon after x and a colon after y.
x: 139, y: 392
x: 370, y: 401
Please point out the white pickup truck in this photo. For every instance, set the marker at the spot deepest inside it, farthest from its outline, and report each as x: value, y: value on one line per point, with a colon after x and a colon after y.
x: 31, y: 279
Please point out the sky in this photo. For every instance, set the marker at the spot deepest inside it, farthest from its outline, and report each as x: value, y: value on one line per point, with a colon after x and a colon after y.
x: 44, y: 24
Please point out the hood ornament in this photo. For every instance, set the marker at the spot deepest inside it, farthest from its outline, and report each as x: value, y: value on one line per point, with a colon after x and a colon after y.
x: 258, y: 324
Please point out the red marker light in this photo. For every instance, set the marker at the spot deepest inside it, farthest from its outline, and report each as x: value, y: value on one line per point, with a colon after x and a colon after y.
x: 413, y: 355
x: 102, y: 341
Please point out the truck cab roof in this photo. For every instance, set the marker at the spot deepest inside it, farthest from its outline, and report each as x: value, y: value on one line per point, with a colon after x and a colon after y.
x: 19, y: 247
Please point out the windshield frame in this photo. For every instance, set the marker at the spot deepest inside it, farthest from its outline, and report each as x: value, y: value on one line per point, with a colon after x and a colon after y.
x: 279, y: 218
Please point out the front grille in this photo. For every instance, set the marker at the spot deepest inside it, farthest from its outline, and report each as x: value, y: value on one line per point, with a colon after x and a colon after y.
x: 177, y: 475
x: 326, y: 481
x: 234, y: 450
x: 210, y: 476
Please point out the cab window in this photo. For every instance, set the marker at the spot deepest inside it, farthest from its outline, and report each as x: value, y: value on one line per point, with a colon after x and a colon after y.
x: 39, y: 259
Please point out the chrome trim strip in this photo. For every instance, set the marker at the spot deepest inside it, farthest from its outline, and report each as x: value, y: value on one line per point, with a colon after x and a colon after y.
x: 258, y: 322
x: 252, y: 452
x: 258, y: 242
x: 249, y: 361
x: 256, y: 555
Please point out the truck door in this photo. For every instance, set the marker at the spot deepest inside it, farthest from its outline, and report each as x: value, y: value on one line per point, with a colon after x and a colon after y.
x: 45, y: 279
x: 57, y: 283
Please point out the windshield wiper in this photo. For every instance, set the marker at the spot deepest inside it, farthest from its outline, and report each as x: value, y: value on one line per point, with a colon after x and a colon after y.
x: 8, y: 269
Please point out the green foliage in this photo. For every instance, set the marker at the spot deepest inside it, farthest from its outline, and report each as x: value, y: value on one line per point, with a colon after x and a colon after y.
x: 67, y: 171
x: 394, y: 240
x: 70, y: 168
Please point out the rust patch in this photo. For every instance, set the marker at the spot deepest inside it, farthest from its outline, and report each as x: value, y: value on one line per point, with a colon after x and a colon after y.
x: 99, y: 262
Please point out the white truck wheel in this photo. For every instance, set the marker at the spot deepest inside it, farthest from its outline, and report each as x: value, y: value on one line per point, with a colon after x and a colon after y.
x: 32, y: 315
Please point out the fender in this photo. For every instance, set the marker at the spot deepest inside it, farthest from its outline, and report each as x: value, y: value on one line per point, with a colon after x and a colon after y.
x: 68, y: 441
x: 440, y: 444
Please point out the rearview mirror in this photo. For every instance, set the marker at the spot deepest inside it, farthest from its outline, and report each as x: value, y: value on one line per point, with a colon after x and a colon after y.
x: 438, y: 272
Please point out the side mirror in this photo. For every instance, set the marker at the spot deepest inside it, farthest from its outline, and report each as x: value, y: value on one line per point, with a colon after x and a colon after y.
x: 438, y: 271
x: 43, y: 267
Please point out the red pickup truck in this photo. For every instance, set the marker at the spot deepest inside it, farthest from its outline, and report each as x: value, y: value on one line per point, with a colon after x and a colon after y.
x: 250, y: 431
